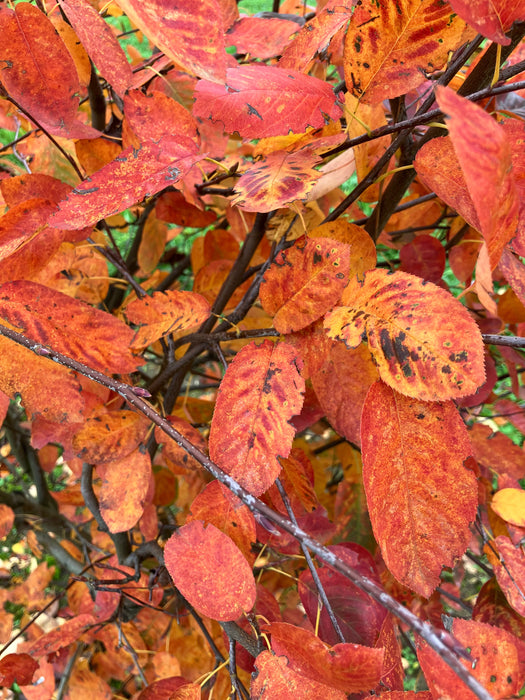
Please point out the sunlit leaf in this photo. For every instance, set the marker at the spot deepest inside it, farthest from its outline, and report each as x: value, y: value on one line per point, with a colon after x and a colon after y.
x: 17, y: 668
x: 210, y: 571
x: 304, y: 282
x: 260, y: 392
x: 423, y: 340
x: 492, y: 18
x: 509, y: 504
x: 421, y: 498
x: 259, y: 100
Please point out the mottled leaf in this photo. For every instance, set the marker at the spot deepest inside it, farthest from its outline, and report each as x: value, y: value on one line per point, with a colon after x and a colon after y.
x: 155, y: 116
x: 210, y: 571
x: 423, y: 340
x: 62, y: 636
x: 164, y: 313
x: 484, y: 154
x: 389, y: 46
x: 110, y: 435
x: 259, y: 100
x: 125, y: 483
x: 100, y: 43
x: 17, y: 667
x: 510, y: 572
x: 304, y: 282
x: 134, y: 174
x: 261, y: 37
x: 421, y: 498
x: 68, y: 325
x: 260, y: 392
x: 277, y: 180
x: 191, y: 34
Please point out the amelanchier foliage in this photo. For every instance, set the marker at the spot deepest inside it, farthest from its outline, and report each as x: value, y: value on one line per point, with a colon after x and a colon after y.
x: 261, y: 306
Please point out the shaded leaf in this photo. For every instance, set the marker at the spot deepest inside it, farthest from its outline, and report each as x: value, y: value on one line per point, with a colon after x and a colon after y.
x: 7, y: 519
x: 425, y: 257
x: 62, y: 636
x: 134, y: 174
x: 173, y: 207
x: 423, y: 340
x: 261, y: 37
x: 484, y: 154
x: 421, y: 498
x: 259, y: 100
x: 155, y: 116
x: 125, y: 483
x: 175, y: 453
x: 496, y: 451
x: 18, y: 668
x: 260, y: 392
x: 109, y: 435
x: 510, y: 572
x: 304, y: 282
x: 493, y: 608
x: 100, y: 43
x: 210, y: 571
x: 164, y: 313
x: 191, y: 34
x: 274, y: 679
x: 277, y: 180
x: 68, y: 325
x: 390, y: 46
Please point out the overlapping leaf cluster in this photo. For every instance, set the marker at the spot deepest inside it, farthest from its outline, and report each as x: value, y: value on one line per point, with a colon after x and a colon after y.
x: 344, y: 182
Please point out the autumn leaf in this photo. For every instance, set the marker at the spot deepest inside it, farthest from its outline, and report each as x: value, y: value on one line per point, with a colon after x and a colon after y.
x: 485, y: 158
x: 420, y: 353
x: 259, y: 100
x: 164, y: 313
x: 492, y: 18
x: 421, y: 499
x: 390, y: 46
x: 510, y: 572
x: 509, y: 504
x: 109, y: 435
x: 304, y: 282
x: 261, y: 391
x: 210, y: 571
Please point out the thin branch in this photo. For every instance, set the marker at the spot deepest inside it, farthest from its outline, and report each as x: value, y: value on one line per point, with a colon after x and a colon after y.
x: 443, y: 643
x: 512, y: 341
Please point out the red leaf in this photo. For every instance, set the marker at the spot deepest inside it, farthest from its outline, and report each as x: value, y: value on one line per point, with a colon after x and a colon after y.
x: 18, y: 668
x: 260, y: 100
x: 484, y: 154
x: 164, y: 313
x: 261, y: 391
x: 421, y: 498
x: 304, y: 282
x: 261, y: 37
x: 7, y: 519
x: 425, y: 257
x: 68, y: 325
x: 492, y: 18
x: 61, y: 637
x: 134, y: 174
x: 210, y: 571
x: 110, y: 435
x: 191, y: 34
x: 510, y: 573
x: 100, y: 43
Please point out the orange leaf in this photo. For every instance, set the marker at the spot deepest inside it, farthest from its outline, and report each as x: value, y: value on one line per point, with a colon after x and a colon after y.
x: 110, y: 435
x: 100, y: 43
x: 390, y: 45
x: 261, y: 391
x: 262, y: 37
x: 172, y: 451
x: 304, y: 282
x: 497, y: 452
x: 134, y: 174
x: 210, y: 571
x: 348, y: 667
x: 217, y: 505
x: 492, y: 18
x: 260, y: 100
x: 274, y: 679
x: 363, y: 255
x: 125, y: 483
x: 191, y: 34
x: 68, y: 325
x: 38, y: 71
x: 423, y: 340
x: 169, y: 689
x: 61, y: 637
x: 484, y: 153
x: 164, y: 313
x: 421, y: 499
x: 509, y: 504
x: 510, y: 573
x: 47, y: 389
x: 496, y: 665
x: 277, y: 180
x: 7, y: 519
x: 155, y: 116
